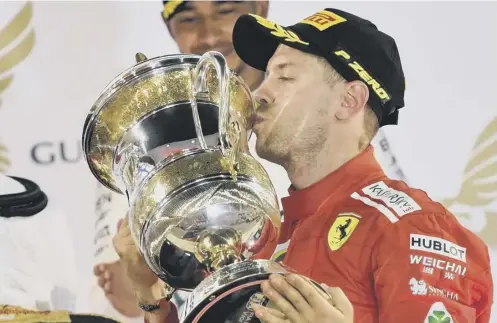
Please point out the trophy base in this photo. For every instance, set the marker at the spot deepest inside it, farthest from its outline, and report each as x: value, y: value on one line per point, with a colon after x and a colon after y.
x: 226, y: 296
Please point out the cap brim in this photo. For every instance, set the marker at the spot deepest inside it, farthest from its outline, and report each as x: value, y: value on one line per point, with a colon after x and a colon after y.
x: 255, y: 44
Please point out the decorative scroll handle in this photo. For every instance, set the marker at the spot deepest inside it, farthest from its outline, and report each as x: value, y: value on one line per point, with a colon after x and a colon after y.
x: 218, y: 62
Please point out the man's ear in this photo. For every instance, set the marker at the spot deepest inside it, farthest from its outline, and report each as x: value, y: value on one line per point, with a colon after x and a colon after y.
x: 262, y: 8
x: 355, y: 99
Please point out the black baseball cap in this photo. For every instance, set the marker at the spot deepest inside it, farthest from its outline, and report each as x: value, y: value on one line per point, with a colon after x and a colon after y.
x: 353, y: 46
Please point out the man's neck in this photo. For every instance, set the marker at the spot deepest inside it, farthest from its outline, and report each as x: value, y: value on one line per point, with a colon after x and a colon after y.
x: 10, y: 186
x: 307, y: 169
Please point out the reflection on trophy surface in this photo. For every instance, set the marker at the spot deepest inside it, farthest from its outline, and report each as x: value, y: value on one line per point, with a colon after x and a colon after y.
x: 172, y: 134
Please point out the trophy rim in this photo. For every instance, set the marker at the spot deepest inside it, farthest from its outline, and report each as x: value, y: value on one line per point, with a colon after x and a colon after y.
x: 128, y: 76
x: 198, y: 297
x: 199, y: 312
x: 202, y: 296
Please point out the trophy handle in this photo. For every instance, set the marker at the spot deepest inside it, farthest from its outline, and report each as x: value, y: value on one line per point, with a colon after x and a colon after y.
x: 218, y: 62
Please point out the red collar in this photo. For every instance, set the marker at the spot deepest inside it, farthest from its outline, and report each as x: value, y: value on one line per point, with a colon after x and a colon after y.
x: 306, y: 202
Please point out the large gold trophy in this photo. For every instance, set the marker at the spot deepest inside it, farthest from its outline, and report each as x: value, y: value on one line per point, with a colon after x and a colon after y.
x: 171, y: 133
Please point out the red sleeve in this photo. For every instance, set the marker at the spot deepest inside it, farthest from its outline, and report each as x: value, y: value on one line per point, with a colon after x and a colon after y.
x: 173, y: 316
x: 428, y: 268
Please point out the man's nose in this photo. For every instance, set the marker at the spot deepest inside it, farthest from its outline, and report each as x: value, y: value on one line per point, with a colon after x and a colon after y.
x: 208, y: 33
x: 263, y: 96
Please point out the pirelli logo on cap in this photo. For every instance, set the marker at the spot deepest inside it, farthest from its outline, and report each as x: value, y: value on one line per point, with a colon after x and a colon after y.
x: 376, y: 86
x: 323, y: 20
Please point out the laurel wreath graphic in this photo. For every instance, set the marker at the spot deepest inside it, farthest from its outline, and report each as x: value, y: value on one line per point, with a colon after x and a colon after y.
x: 479, y: 188
x: 279, y: 31
x: 8, y: 35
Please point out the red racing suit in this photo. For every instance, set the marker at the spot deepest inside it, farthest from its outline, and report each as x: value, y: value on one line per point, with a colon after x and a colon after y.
x: 397, y: 255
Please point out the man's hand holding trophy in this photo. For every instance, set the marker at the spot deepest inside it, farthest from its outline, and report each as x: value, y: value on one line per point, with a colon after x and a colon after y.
x: 171, y: 133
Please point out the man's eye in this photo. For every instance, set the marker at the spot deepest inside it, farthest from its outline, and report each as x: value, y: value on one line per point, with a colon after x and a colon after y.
x: 187, y: 20
x: 285, y: 79
x: 226, y: 11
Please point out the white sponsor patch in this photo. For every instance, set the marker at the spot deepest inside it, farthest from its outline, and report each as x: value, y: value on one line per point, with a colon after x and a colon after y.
x: 438, y: 246
x: 438, y: 313
x: 421, y: 288
x: 398, y: 201
x: 444, y: 265
x: 384, y: 210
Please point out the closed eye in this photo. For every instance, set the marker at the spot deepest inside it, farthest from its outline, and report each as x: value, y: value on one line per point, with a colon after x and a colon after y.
x: 187, y: 20
x: 226, y: 11
x: 227, y: 8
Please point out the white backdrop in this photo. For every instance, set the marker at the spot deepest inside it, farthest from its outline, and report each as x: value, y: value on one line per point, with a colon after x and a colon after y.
x: 448, y: 50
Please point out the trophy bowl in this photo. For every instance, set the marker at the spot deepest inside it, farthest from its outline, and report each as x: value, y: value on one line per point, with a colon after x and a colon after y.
x: 171, y: 133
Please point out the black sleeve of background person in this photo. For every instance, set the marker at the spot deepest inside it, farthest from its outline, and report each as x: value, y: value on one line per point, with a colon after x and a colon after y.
x: 24, y: 204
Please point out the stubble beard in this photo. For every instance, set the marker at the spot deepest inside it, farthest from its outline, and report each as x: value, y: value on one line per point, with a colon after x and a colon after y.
x: 285, y: 151
x: 271, y: 149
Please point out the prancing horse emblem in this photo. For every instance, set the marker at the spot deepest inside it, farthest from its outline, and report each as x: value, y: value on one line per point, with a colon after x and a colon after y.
x: 341, y: 229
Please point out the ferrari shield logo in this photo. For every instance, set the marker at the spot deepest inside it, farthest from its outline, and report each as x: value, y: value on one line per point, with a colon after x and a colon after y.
x: 341, y: 229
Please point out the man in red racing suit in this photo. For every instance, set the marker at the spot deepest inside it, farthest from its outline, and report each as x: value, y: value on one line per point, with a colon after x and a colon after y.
x: 397, y: 255
x: 331, y: 81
